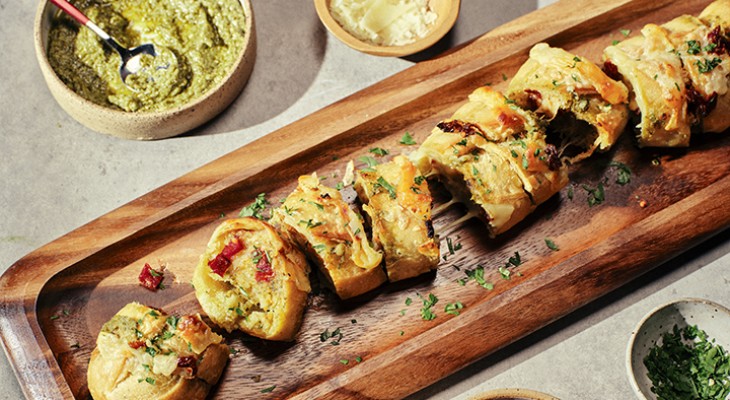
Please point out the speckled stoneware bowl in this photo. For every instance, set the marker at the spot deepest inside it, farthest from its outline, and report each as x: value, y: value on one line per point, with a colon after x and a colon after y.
x: 513, y: 394
x: 447, y: 12
x: 146, y: 125
x: 709, y: 316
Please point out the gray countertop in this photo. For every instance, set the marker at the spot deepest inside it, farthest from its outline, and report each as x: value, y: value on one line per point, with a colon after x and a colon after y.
x: 57, y: 175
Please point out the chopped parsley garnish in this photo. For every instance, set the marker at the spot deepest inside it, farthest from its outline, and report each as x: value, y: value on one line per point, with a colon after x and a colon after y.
x: 268, y: 389
x: 504, y: 272
x: 382, y: 183
x: 477, y: 275
x: 407, y: 139
x: 379, y: 151
x: 54, y: 317
x: 504, y: 77
x: 254, y: 209
x: 625, y: 32
x: 419, y: 179
x: 151, y: 351
x: 693, y: 47
x: 358, y: 359
x: 319, y: 247
x: 149, y: 380
x: 515, y: 260
x: 596, y: 195
x: 371, y: 162
x: 453, y: 308
x: 335, y: 335
x: 309, y: 224
x: 688, y: 365
x: 319, y: 206
x: 339, y: 186
x: 624, y: 172
x: 172, y: 321
x: 426, y: 311
x: 453, y: 248
x: 708, y: 65
x: 409, y: 301
x: 239, y: 312
x: 344, y: 361
x: 551, y: 245
x: 615, y: 42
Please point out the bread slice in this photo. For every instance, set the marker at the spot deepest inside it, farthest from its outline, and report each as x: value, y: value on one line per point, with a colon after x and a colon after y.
x: 493, y: 157
x: 252, y: 280
x: 322, y: 223
x: 144, y: 353
x: 587, y: 109
x: 398, y: 202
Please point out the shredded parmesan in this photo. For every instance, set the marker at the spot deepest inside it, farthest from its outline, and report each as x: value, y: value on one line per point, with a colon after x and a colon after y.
x: 384, y: 22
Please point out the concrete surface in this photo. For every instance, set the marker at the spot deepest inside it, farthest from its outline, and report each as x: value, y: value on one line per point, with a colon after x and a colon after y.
x: 58, y: 175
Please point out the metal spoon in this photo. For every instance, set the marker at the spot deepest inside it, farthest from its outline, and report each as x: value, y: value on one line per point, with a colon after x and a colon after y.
x: 130, y: 57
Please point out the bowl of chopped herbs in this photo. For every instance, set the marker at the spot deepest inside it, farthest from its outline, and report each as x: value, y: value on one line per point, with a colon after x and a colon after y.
x: 680, y: 351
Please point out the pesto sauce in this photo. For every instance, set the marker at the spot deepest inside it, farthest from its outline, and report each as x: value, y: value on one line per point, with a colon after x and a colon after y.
x: 197, y: 42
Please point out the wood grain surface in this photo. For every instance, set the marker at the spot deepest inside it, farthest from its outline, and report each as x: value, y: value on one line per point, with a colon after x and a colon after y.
x: 54, y: 300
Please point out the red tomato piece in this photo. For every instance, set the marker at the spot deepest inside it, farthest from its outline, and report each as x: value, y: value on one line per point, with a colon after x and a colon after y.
x: 150, y: 278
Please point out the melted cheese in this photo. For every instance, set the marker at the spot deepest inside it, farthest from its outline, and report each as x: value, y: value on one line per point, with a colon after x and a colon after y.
x: 384, y: 22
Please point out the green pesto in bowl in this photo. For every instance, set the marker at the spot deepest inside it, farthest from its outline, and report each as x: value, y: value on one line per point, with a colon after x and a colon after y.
x: 197, y: 44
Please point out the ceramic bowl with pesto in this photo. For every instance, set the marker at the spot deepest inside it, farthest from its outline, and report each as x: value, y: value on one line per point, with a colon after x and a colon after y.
x: 205, y: 54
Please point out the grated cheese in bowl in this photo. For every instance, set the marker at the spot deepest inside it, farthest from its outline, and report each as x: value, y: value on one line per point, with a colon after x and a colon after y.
x: 384, y: 22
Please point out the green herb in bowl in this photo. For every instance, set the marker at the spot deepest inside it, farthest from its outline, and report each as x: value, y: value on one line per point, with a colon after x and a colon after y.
x: 688, y: 365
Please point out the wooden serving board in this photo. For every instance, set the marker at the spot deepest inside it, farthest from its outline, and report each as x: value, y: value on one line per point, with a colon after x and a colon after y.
x: 55, y: 299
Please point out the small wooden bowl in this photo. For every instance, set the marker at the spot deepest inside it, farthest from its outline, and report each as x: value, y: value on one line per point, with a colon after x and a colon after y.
x: 446, y: 10
x: 146, y: 125
x: 513, y: 394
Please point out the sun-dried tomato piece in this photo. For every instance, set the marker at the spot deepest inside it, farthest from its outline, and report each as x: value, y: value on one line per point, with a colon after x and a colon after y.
x: 264, y: 272
x: 699, y: 105
x: 232, y: 248
x: 534, y: 99
x: 611, y: 71
x: 136, y: 344
x: 189, y: 364
x: 150, y: 278
x: 222, y: 261
x: 466, y: 129
x: 722, y: 44
x: 219, y: 264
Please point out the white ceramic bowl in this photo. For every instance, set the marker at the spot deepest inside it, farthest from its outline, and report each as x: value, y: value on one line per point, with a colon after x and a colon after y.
x: 711, y: 317
x: 146, y: 125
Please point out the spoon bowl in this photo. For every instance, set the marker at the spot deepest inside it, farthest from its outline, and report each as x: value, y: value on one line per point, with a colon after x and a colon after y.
x: 130, y: 58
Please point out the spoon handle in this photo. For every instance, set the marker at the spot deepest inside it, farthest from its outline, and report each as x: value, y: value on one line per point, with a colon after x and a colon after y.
x: 76, y: 14
x: 71, y: 10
